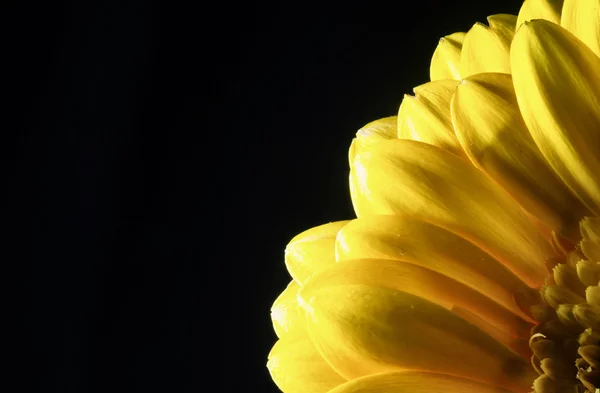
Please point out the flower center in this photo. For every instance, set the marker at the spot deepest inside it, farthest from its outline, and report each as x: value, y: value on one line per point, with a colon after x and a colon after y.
x: 566, y: 342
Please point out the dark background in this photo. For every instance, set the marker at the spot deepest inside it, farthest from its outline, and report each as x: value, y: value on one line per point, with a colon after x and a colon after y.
x: 158, y: 156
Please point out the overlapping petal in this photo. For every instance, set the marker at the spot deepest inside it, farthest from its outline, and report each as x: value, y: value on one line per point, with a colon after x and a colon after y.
x: 435, y: 286
x: 582, y: 18
x: 420, y: 281
x: 430, y: 184
x: 286, y: 315
x: 557, y: 82
x: 363, y: 329
x: 487, y: 49
x: 492, y: 132
x: 540, y: 9
x: 504, y: 25
x: 402, y: 238
x: 445, y: 62
x: 297, y: 367
x: 375, y: 131
x: 312, y: 250
x: 414, y: 382
x: 426, y: 116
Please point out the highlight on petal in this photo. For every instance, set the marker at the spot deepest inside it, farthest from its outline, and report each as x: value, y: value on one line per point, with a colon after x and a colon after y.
x: 422, y: 282
x: 368, y: 329
x: 378, y: 130
x: 487, y: 49
x: 557, y: 82
x: 445, y: 62
x: 494, y: 136
x: 540, y: 9
x: 426, y: 116
x: 430, y: 184
x: 287, y: 316
x: 312, y: 250
x: 358, y: 204
x: 402, y: 238
x: 297, y: 367
x: 582, y: 18
x: 415, y: 382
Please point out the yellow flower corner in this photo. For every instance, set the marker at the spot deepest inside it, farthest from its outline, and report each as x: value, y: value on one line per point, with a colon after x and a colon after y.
x: 474, y: 262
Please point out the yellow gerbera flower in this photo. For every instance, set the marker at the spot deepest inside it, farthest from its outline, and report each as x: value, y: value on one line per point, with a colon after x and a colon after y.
x: 474, y: 263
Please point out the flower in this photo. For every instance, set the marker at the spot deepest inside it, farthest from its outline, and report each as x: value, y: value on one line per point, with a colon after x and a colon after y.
x: 474, y: 263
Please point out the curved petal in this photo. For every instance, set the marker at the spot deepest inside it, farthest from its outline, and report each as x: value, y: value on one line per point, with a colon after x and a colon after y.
x: 492, y: 132
x: 358, y: 203
x: 287, y: 316
x: 504, y: 25
x: 311, y: 250
x: 415, y: 382
x: 445, y: 61
x: 557, y: 82
x: 402, y: 238
x: 366, y: 329
x: 296, y: 366
x: 540, y: 9
x: 378, y: 130
x: 422, y: 282
x: 582, y: 18
x: 484, y: 50
x: 519, y: 344
x: 430, y: 184
x: 426, y: 117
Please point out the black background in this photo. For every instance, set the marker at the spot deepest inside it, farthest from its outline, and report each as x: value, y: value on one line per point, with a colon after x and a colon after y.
x: 160, y: 155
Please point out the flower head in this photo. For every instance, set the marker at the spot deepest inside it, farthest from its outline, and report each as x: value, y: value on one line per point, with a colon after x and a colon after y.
x: 474, y: 263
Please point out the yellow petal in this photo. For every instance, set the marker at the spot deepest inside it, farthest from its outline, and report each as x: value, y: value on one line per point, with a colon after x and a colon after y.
x: 557, y: 80
x: 366, y: 329
x: 484, y: 50
x: 287, y: 316
x: 402, y: 238
x: 504, y: 26
x: 358, y: 203
x: 540, y: 9
x: 426, y: 116
x: 582, y: 18
x: 414, y: 382
x: 517, y: 343
x: 297, y: 367
x: 446, y: 58
x: 492, y: 132
x: 430, y: 184
x: 377, y: 130
x: 422, y: 282
x: 312, y: 250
